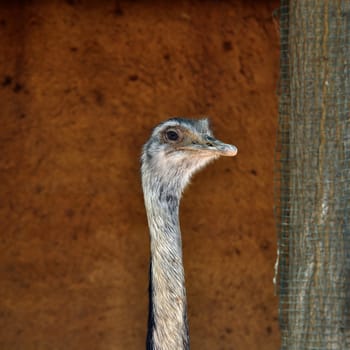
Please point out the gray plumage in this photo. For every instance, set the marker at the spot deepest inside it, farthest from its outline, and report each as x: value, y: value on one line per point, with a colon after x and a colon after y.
x: 176, y: 149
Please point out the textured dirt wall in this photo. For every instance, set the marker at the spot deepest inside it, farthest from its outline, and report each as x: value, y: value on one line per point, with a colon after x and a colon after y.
x: 81, y: 85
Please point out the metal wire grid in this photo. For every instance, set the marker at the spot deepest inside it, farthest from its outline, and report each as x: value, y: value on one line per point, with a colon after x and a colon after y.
x: 313, y: 175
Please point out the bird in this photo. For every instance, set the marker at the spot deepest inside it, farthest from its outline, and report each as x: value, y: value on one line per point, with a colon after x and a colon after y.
x: 176, y: 149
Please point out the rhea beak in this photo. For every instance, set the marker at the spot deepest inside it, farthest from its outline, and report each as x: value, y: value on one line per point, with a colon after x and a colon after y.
x: 221, y: 148
x: 210, y: 145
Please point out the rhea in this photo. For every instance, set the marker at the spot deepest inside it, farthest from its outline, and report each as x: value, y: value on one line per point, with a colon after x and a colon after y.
x: 176, y: 149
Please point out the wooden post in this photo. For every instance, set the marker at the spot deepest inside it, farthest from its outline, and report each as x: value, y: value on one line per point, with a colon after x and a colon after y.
x: 314, y: 166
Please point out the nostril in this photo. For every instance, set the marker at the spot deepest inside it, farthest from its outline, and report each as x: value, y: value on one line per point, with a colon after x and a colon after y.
x: 194, y: 143
x: 209, y: 144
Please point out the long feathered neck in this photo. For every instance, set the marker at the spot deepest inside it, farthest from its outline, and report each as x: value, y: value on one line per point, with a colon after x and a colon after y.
x: 167, y: 323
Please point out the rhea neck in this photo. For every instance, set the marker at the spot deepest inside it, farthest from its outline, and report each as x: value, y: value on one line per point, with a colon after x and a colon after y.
x: 167, y: 324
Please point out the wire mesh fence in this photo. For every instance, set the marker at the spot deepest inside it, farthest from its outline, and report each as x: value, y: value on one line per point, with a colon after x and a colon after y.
x: 313, y: 175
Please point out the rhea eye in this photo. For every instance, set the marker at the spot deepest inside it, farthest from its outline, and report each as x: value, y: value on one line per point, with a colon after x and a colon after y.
x: 172, y: 135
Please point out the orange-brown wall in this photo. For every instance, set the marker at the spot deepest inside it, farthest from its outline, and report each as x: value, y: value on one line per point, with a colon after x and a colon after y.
x: 82, y: 83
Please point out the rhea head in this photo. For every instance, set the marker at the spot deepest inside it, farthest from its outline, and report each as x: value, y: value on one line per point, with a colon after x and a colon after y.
x: 178, y: 148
